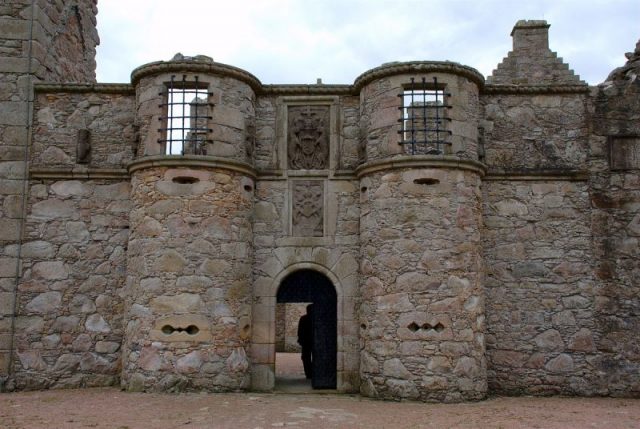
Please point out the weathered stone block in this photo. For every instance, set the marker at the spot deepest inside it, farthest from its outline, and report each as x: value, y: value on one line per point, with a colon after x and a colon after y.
x: 53, y: 209
x: 170, y: 261
x: 54, y: 270
x: 562, y: 363
x: 189, y: 363
x: 31, y: 359
x: 96, y: 323
x: 550, y: 340
x: 181, y: 303
x: 45, y: 303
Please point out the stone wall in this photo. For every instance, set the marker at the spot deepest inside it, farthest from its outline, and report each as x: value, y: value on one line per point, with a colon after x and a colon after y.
x: 70, y: 310
x: 615, y: 200
x: 66, y: 39
x: 517, y: 274
x: 422, y: 310
x: 62, y: 112
x: 535, y: 132
x: 188, y: 300
x: 39, y: 40
x: 540, y: 287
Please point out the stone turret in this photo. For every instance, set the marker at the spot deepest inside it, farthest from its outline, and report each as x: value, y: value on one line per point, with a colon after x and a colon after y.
x: 422, y: 311
x: 189, y: 271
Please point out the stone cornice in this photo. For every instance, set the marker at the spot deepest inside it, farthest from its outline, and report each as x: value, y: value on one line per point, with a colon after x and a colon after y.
x: 196, y: 67
x: 76, y: 172
x: 396, y: 68
x: 191, y: 161
x: 535, y: 89
x: 538, y: 175
x: 103, y: 88
x: 420, y: 161
x: 320, y: 89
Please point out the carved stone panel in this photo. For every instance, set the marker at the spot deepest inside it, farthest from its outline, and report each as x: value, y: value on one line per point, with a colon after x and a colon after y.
x: 624, y: 153
x: 308, y: 137
x: 308, y: 208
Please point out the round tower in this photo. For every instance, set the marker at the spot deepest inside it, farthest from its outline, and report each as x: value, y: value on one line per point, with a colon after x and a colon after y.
x: 188, y: 303
x: 422, y: 311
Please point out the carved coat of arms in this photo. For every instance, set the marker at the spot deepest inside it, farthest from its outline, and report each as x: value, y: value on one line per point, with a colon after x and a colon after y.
x: 308, y: 137
x: 308, y: 203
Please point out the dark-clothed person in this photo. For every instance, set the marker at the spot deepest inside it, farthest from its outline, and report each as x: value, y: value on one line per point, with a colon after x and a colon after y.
x: 305, y: 339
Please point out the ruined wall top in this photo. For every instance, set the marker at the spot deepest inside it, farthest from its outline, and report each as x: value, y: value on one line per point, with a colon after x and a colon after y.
x: 631, y: 70
x: 65, y: 40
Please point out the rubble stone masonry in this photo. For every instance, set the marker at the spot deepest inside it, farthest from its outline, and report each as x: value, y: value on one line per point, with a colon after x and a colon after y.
x: 506, y: 263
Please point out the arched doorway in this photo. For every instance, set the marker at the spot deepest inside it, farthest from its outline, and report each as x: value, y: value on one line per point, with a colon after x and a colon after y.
x: 313, y: 287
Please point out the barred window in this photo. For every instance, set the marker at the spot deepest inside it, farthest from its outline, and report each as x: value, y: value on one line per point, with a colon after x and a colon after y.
x: 423, y: 125
x: 187, y: 109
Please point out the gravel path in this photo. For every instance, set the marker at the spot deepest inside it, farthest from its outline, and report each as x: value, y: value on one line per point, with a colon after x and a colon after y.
x: 112, y: 408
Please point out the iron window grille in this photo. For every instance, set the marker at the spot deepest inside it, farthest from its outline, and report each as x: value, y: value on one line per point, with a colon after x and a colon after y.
x: 423, y: 128
x: 187, y: 107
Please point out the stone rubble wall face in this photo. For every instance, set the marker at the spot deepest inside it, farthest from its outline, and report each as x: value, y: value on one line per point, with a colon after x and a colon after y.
x: 535, y: 131
x: 421, y: 267
x: 541, y: 327
x: 189, y: 257
x: 615, y: 198
x: 70, y: 309
x: 232, y: 111
x: 56, y: 56
x: 350, y: 135
x: 59, y: 116
x: 616, y: 242
x: 266, y: 148
x: 65, y: 40
x: 380, y: 112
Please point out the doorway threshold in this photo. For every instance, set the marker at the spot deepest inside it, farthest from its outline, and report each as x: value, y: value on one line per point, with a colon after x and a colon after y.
x: 298, y: 386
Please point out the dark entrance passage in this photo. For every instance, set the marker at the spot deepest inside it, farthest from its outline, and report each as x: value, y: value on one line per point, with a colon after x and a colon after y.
x: 312, y: 286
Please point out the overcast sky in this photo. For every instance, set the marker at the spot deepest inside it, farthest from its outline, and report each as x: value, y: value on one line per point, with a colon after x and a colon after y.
x: 297, y: 41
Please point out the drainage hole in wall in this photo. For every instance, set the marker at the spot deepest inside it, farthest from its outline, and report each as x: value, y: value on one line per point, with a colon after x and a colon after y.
x: 248, y: 188
x: 190, y: 330
x: 426, y: 181
x: 363, y: 326
x: 185, y: 180
x: 363, y: 189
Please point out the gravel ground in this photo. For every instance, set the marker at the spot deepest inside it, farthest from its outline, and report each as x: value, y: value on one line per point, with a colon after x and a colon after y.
x: 112, y: 408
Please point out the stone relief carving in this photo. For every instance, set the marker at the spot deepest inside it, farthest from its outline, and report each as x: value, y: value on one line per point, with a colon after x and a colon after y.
x: 308, y: 205
x: 624, y: 152
x: 308, y: 142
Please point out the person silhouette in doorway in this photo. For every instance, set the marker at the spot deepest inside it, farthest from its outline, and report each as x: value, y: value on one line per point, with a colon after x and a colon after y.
x: 305, y: 339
